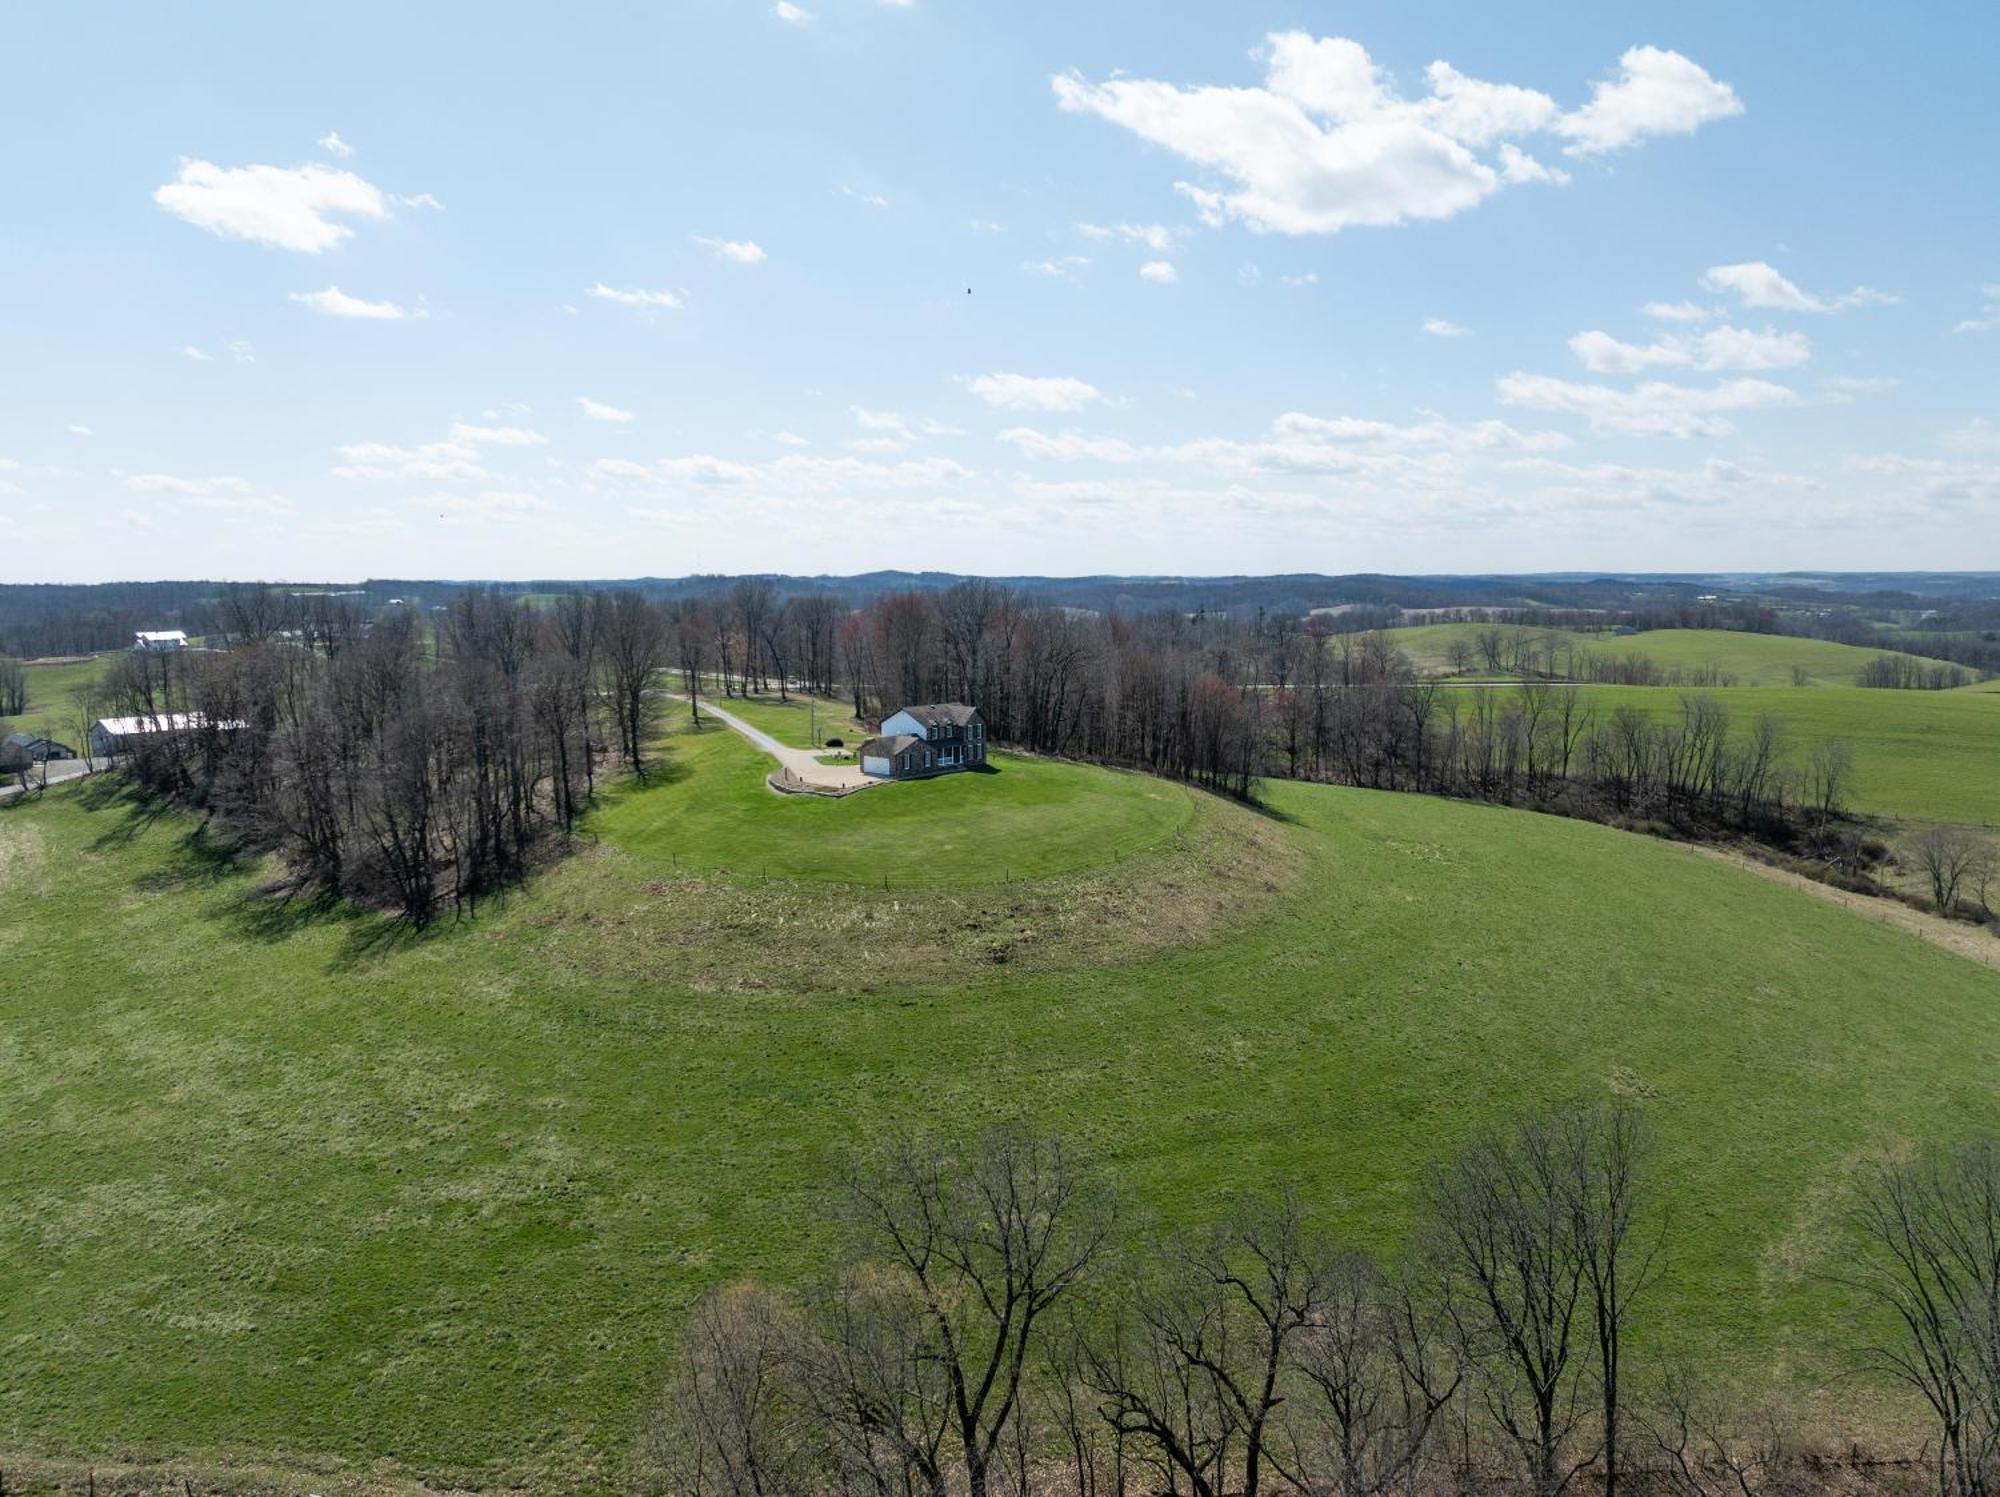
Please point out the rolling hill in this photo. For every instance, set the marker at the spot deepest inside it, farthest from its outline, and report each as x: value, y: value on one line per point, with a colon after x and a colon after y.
x: 289, y: 1183
x: 1752, y: 659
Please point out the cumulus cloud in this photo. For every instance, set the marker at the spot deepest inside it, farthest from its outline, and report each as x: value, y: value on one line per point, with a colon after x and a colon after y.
x: 294, y: 208
x: 377, y: 461
x: 597, y: 410
x: 1328, y: 142
x: 1655, y: 409
x: 333, y: 302
x: 1022, y: 392
x: 1760, y: 285
x: 1656, y: 92
x: 645, y: 301
x: 1439, y: 327
x: 1718, y: 349
x: 1159, y: 272
x: 1298, y: 443
x: 797, y: 15
x: 737, y: 251
x: 1062, y: 267
x: 1989, y: 315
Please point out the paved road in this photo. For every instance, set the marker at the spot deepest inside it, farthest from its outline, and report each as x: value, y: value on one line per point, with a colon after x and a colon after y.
x: 800, y: 762
x: 60, y: 770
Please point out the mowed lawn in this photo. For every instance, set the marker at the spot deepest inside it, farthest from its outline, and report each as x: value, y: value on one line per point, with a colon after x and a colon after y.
x: 292, y: 1187
x: 1753, y: 659
x: 1021, y: 818
x: 801, y: 722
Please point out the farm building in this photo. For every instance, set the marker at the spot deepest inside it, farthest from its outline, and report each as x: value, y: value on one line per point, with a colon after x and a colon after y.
x: 39, y: 750
x: 159, y: 641
x: 935, y: 738
x: 118, y: 735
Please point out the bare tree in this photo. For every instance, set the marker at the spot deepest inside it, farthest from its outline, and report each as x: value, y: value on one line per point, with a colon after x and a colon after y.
x: 1949, y: 857
x: 1929, y: 1231
x: 13, y: 687
x: 634, y: 644
x: 974, y: 1249
x: 730, y: 1424
x: 1374, y: 1374
x: 1711, y: 1445
x: 1532, y: 1230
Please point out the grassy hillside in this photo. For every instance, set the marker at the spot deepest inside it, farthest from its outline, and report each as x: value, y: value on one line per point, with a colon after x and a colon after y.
x: 49, y: 709
x: 1929, y: 755
x: 1753, y: 659
x: 286, y: 1182
x: 957, y: 829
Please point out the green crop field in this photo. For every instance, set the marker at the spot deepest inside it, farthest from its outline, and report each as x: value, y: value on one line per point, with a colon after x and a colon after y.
x: 287, y: 1184
x: 1752, y: 659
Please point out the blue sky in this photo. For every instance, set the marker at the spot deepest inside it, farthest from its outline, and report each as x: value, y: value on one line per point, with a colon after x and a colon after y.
x: 592, y: 291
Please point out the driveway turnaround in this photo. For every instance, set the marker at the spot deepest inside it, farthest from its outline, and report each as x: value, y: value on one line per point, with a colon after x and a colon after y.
x: 799, y: 761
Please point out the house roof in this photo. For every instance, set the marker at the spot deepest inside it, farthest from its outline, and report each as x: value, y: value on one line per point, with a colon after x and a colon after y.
x: 890, y: 746
x: 26, y: 740
x: 931, y: 714
x: 165, y: 722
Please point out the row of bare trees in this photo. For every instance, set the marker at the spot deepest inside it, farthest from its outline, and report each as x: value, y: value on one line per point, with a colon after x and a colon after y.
x: 414, y: 760
x: 1907, y: 673
x: 996, y: 1326
x: 999, y: 1324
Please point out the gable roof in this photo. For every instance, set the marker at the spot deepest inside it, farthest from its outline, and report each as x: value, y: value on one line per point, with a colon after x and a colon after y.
x: 891, y: 746
x: 28, y: 740
x: 934, y: 714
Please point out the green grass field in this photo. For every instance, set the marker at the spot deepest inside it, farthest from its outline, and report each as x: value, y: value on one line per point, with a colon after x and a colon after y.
x: 49, y: 711
x: 799, y: 721
x: 286, y: 1184
x: 1753, y: 659
x: 955, y: 829
x: 1923, y: 755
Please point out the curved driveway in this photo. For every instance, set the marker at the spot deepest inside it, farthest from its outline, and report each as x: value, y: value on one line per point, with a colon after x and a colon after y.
x: 800, y: 762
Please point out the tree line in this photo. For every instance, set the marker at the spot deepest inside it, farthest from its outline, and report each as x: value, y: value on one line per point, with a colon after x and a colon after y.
x: 1000, y: 1321
x: 412, y: 760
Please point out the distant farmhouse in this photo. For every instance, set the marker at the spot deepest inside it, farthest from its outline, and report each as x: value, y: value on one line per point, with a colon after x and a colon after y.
x: 932, y: 739
x: 120, y: 735
x: 159, y: 641
x: 36, y: 749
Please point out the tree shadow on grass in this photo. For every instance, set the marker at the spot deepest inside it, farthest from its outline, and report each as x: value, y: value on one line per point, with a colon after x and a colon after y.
x: 276, y: 913
x: 137, y: 812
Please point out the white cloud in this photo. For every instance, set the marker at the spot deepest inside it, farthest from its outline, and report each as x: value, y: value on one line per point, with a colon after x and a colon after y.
x: 1989, y: 315
x: 597, y: 410
x: 1977, y: 435
x: 1022, y: 392
x: 1159, y: 272
x: 1156, y: 237
x: 1676, y: 311
x: 1064, y: 267
x: 376, y: 461
x: 490, y: 504
x: 78, y: 429
x: 333, y: 302
x: 1718, y: 349
x: 1760, y: 285
x: 1309, y: 278
x: 1439, y: 327
x: 793, y: 474
x: 241, y: 351
x: 194, y: 353
x: 290, y: 208
x: 739, y: 251
x: 1657, y: 92
x: 784, y: 10
x: 1327, y: 142
x: 1652, y: 409
x: 497, y: 436
x: 421, y: 200
x: 889, y: 421
x: 186, y: 488
x: 790, y: 439
x: 333, y: 145
x: 646, y: 301
x: 865, y: 199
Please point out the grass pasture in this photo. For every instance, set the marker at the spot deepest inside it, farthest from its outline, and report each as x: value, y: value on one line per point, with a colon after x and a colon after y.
x: 1766, y: 660
x: 289, y: 1186
x: 49, y: 711
x: 797, y: 721
x: 1918, y: 755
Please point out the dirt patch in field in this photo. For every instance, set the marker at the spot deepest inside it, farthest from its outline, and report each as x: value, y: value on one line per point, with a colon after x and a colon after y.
x: 1969, y: 941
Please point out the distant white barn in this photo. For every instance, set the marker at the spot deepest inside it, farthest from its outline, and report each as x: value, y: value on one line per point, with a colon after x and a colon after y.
x: 120, y: 735
x: 159, y: 641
